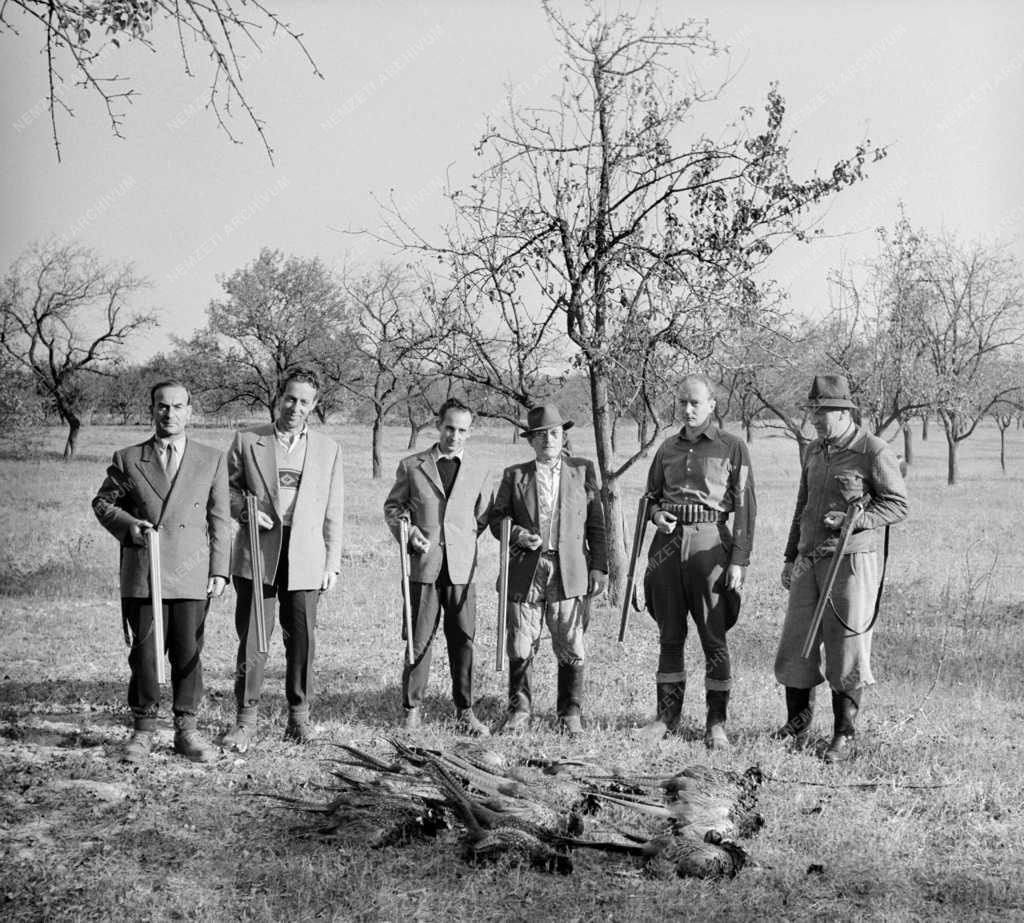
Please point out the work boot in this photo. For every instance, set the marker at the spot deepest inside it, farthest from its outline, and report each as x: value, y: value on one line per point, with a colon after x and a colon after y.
x: 666, y: 720
x: 412, y: 719
x: 799, y: 714
x: 845, y: 706
x: 299, y: 729
x: 520, y: 701
x: 240, y: 738
x: 137, y: 749
x: 715, y: 737
x: 570, y: 698
x: 468, y: 723
x: 188, y: 742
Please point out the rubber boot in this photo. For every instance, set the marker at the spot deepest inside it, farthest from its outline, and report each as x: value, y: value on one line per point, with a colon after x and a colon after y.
x: 799, y: 715
x: 520, y: 705
x: 570, y: 698
x: 845, y: 706
x: 715, y: 737
x: 189, y: 742
x: 666, y: 720
x: 240, y: 738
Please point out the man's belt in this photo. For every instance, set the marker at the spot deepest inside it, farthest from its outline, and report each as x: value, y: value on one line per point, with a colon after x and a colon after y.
x: 692, y: 513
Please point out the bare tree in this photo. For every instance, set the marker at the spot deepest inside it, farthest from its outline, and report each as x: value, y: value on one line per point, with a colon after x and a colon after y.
x: 80, y: 40
x: 63, y: 318
x: 593, y: 213
x: 277, y: 313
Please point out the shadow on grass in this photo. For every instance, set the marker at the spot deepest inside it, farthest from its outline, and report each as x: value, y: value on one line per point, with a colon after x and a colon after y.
x: 106, y: 693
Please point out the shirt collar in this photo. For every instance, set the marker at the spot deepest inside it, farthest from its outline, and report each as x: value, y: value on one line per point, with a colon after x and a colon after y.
x: 162, y: 442
x: 435, y: 453
x: 554, y: 468
x: 287, y: 438
x: 710, y: 431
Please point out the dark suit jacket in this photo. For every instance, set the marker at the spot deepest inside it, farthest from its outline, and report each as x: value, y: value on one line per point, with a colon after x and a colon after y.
x: 451, y: 523
x: 581, y: 538
x: 192, y: 518
x: 315, y: 545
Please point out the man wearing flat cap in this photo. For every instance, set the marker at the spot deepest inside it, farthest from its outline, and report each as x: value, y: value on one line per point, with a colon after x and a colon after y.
x: 846, y: 471
x: 698, y: 479
x: 558, y: 559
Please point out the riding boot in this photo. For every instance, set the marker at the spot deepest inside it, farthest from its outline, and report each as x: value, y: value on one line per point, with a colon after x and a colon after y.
x: 570, y: 697
x: 845, y: 706
x: 520, y: 705
x: 799, y: 714
x: 666, y: 720
x: 715, y: 737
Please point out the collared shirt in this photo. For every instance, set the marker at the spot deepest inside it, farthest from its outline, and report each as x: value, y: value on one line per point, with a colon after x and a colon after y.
x: 162, y: 444
x: 549, y: 478
x: 290, y: 453
x: 447, y: 468
x: 855, y: 465
x: 714, y: 470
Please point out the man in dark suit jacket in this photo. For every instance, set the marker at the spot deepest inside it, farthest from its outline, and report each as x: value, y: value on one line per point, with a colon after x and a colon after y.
x: 296, y: 476
x: 558, y: 559
x: 179, y: 488
x: 443, y: 494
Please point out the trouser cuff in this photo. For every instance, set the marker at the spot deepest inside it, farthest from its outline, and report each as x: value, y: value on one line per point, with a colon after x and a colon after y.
x: 677, y: 677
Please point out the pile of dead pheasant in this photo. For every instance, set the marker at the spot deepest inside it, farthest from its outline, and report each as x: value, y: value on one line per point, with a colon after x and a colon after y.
x: 540, y: 812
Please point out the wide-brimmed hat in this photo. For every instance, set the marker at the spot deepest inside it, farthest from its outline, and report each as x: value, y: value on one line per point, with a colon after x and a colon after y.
x: 830, y: 392
x: 544, y: 416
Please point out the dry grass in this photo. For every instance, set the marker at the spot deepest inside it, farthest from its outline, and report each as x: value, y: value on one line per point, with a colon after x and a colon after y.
x: 925, y: 824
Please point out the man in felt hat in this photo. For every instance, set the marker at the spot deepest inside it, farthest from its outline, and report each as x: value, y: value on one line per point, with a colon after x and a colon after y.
x: 443, y: 493
x: 558, y: 560
x: 696, y: 565
x: 844, y: 466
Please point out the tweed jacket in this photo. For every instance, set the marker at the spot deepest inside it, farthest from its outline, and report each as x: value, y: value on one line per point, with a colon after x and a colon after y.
x: 192, y: 518
x: 315, y: 544
x: 581, y: 536
x: 452, y: 524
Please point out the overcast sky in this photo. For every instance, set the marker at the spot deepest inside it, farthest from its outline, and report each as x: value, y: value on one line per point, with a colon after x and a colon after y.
x: 407, y: 86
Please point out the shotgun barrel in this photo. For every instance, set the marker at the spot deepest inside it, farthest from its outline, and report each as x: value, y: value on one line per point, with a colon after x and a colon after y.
x: 503, y: 564
x: 403, y: 553
x: 156, y: 597
x: 628, y: 593
x: 852, y: 512
x: 257, y: 618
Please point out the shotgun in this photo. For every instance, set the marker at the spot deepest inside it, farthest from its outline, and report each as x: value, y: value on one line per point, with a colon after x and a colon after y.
x: 853, y: 511
x: 156, y: 598
x: 403, y: 553
x: 503, y: 556
x: 629, y: 591
x: 256, y: 611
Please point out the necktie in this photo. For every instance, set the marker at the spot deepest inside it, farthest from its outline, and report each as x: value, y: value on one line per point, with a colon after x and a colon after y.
x: 171, y: 460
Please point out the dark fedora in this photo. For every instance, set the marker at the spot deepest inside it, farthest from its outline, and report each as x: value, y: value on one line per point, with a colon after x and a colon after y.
x: 544, y: 416
x: 830, y: 392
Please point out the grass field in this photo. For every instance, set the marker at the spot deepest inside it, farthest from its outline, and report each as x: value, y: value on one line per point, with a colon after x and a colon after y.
x: 926, y: 823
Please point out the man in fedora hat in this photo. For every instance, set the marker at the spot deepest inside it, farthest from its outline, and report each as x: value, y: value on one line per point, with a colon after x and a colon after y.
x: 843, y: 466
x: 443, y: 493
x: 697, y: 479
x: 558, y: 560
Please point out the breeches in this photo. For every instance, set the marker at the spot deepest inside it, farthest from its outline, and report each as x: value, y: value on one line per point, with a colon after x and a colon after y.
x: 565, y: 618
x: 684, y: 577
x: 847, y: 653
x: 454, y: 607
x: 184, y: 621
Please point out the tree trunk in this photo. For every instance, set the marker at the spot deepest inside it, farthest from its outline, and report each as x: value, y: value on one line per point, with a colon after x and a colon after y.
x: 74, y: 425
x: 924, y: 428
x: 377, y: 463
x: 1002, y: 448
x: 615, y: 435
x: 908, y: 444
x: 748, y: 429
x: 952, y: 465
x: 611, y: 497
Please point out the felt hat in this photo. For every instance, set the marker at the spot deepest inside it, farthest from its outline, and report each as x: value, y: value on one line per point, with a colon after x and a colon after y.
x: 544, y: 416
x: 830, y: 392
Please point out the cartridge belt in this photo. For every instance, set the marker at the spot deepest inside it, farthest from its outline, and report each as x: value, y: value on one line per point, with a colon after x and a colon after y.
x: 692, y: 513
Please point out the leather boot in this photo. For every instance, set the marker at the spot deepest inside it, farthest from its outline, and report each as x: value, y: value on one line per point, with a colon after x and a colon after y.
x: 466, y: 722
x: 299, y: 729
x: 570, y: 698
x: 136, y: 750
x: 845, y: 706
x: 666, y: 720
x: 715, y: 737
x: 189, y: 742
x: 520, y: 705
x: 799, y: 714
x: 242, y: 735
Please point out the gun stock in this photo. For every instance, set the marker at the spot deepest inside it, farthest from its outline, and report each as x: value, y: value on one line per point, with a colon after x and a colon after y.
x: 628, y: 597
x: 257, y: 617
x: 852, y: 512
x: 403, y: 552
x: 156, y: 597
x: 503, y: 563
